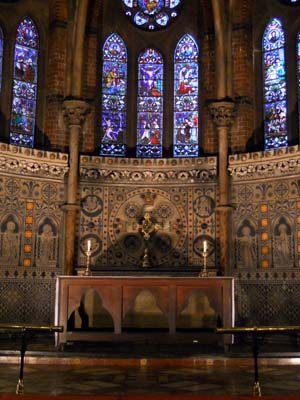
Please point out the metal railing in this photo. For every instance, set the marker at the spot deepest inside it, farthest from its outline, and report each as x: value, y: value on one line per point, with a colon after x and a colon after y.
x: 255, y: 332
x: 24, y: 331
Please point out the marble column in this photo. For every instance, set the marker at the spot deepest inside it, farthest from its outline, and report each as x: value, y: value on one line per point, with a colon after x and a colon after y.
x: 74, y: 114
x: 223, y: 113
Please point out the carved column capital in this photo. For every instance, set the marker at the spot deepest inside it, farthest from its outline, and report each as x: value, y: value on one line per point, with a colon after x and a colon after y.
x: 75, y: 112
x: 223, y: 113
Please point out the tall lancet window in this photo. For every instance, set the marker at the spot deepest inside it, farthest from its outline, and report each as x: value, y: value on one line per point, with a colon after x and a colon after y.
x: 274, y: 74
x: 25, y: 76
x: 186, y: 91
x: 114, y: 88
x: 1, y: 56
x: 298, y: 75
x: 150, y: 104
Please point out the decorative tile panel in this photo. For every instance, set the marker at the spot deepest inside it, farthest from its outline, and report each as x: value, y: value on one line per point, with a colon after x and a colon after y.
x: 265, y: 226
x: 115, y: 194
x: 32, y: 190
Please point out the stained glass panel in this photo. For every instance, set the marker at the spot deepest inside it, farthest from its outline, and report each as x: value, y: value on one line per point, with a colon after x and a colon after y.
x: 298, y: 76
x: 275, y: 104
x: 186, y: 98
x: 1, y: 56
x: 150, y: 104
x: 151, y: 14
x: 114, y: 82
x: 291, y: 2
x: 24, y: 84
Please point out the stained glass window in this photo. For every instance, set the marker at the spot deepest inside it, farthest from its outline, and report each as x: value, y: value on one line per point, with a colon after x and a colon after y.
x: 186, y: 98
x: 291, y: 2
x: 275, y: 104
x: 114, y: 84
x: 151, y: 14
x: 24, y: 84
x: 150, y: 104
x: 298, y: 75
x: 1, y: 56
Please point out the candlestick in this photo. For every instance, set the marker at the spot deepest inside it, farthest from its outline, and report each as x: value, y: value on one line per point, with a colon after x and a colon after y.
x: 204, y: 272
x: 88, y: 258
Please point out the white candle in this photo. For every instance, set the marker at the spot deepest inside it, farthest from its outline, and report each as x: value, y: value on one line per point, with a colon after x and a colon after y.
x: 205, y: 246
x: 89, y: 245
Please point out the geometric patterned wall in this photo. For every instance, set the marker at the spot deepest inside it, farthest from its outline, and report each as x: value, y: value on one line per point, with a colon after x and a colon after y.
x: 266, y: 235
x: 32, y: 190
x: 181, y: 195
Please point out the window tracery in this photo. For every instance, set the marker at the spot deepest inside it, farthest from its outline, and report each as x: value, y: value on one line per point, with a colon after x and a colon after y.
x: 186, y: 98
x: 150, y: 104
x: 1, y: 56
x: 25, y: 76
x: 114, y: 89
x: 274, y: 96
x: 298, y: 76
x: 151, y: 14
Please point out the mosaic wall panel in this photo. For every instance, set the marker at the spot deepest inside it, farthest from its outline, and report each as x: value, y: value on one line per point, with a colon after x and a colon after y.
x: 180, y: 195
x: 276, y: 302
x: 32, y: 191
x: 27, y: 300
x: 266, y: 235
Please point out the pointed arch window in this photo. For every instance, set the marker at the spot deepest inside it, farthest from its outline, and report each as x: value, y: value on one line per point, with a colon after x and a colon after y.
x: 25, y: 76
x: 150, y: 104
x: 186, y: 90
x: 298, y: 75
x: 1, y: 56
x: 274, y: 75
x: 114, y: 90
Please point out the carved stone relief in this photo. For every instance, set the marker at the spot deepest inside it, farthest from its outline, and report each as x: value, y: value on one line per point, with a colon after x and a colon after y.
x: 283, y: 244
x: 10, y: 242
x: 246, y: 245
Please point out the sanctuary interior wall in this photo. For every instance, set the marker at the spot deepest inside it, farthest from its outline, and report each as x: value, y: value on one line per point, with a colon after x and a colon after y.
x: 182, y: 195
x: 266, y: 236
x: 32, y: 191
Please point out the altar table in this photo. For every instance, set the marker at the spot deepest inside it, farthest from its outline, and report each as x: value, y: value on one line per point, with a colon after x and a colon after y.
x: 170, y: 303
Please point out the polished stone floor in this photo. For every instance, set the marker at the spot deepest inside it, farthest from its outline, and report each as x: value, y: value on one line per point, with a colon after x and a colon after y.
x: 149, y: 368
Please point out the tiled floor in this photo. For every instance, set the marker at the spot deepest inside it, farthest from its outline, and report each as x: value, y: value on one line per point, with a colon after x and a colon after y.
x: 144, y: 369
x: 87, y: 380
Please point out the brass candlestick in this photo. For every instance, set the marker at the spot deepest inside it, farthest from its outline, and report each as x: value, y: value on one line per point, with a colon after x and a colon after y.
x: 87, y: 271
x: 204, y: 252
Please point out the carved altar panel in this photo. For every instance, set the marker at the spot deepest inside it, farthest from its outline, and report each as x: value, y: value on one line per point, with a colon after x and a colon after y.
x: 147, y: 303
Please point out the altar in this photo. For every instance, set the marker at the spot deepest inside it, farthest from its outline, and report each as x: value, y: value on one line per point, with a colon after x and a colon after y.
x: 94, y: 308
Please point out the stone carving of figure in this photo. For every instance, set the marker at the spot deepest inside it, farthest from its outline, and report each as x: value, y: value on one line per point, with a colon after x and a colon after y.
x: 247, y: 256
x: 203, y: 206
x: 283, y: 245
x: 47, y: 244
x: 10, y: 242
